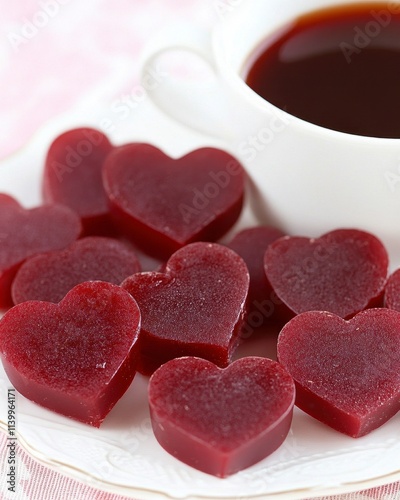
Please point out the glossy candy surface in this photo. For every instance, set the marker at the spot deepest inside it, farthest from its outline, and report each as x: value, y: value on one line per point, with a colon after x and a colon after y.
x: 343, y: 272
x: 24, y: 233
x: 347, y: 373
x: 217, y: 420
x: 73, y: 177
x: 77, y: 357
x: 194, y: 308
x: 50, y: 276
x: 163, y: 203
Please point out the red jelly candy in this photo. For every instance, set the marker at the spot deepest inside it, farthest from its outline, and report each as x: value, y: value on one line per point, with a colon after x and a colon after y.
x: 251, y: 245
x: 164, y: 204
x: 24, y: 233
x: 221, y: 421
x: 194, y: 308
x: 73, y: 177
x: 392, y: 291
x: 342, y: 272
x: 347, y: 373
x: 50, y: 276
x: 77, y: 357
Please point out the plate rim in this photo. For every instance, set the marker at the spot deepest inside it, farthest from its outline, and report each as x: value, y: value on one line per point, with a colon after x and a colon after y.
x: 108, y: 487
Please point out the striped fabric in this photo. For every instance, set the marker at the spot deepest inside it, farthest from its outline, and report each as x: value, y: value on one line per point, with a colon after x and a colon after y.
x: 37, y: 482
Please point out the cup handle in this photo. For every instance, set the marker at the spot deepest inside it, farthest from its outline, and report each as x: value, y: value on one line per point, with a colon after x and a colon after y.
x: 205, y: 106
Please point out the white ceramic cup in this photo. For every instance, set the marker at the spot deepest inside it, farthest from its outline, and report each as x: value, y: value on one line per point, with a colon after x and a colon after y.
x: 306, y: 179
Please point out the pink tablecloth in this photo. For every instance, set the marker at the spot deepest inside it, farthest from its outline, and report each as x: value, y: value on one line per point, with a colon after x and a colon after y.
x: 68, y: 58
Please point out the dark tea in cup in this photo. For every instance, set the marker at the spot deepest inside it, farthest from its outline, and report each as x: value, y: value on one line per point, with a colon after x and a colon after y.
x: 338, y: 67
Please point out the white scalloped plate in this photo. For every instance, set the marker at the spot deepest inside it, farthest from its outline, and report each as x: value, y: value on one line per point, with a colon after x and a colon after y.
x: 123, y: 455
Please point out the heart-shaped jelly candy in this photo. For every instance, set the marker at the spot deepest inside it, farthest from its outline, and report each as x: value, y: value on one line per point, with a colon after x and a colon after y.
x: 392, y: 291
x: 77, y: 357
x: 50, y: 276
x: 194, y: 308
x: 218, y: 420
x: 347, y: 373
x: 343, y: 272
x: 251, y: 244
x: 73, y: 177
x: 24, y: 233
x: 165, y: 203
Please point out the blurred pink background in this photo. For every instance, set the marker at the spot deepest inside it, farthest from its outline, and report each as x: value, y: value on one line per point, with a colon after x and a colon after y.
x: 60, y: 57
